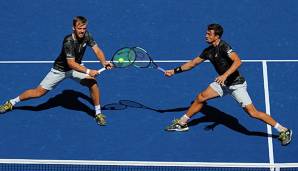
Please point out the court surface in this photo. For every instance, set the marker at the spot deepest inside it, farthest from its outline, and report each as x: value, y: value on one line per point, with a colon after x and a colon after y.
x: 140, y: 103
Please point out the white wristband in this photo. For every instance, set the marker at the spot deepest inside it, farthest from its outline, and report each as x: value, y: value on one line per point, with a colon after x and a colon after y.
x: 88, y: 71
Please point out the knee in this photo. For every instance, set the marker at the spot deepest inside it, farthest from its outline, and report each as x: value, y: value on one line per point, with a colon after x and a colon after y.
x: 200, y: 98
x: 38, y: 92
x: 90, y: 83
x: 254, y: 113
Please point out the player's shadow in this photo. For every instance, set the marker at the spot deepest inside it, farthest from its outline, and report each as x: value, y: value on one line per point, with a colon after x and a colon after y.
x: 68, y: 99
x: 210, y: 115
x: 217, y: 117
x: 71, y: 99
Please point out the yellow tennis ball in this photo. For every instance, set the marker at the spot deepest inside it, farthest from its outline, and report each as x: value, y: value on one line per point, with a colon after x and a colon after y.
x: 120, y: 60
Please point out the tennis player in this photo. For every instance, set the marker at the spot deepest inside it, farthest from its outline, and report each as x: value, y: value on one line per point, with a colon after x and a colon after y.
x: 68, y: 65
x: 226, y: 62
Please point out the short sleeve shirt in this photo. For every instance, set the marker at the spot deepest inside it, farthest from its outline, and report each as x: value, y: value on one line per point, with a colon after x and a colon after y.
x: 73, y: 48
x: 219, y: 56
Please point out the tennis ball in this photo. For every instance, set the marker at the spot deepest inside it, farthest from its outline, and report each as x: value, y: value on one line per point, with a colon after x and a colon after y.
x: 120, y: 60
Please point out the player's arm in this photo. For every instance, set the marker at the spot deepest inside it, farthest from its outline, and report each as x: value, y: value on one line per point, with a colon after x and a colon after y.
x: 101, y: 57
x: 76, y: 66
x: 185, y: 67
x: 236, y: 64
x: 68, y: 48
x: 192, y: 63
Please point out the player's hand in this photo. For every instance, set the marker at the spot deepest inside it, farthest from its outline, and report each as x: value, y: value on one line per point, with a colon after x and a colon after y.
x: 221, y: 80
x: 169, y: 73
x: 108, y: 65
x: 93, y: 73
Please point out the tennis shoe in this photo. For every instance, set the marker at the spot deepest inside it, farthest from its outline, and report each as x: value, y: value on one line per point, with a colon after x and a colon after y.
x: 285, y: 137
x: 6, y: 107
x: 101, y: 119
x: 176, y: 126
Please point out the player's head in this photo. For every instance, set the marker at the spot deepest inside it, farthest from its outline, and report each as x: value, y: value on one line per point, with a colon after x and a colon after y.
x: 214, y: 33
x: 79, y: 26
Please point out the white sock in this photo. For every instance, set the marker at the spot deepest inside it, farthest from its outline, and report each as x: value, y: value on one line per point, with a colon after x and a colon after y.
x: 15, y: 100
x: 97, y: 110
x: 279, y: 127
x: 183, y: 120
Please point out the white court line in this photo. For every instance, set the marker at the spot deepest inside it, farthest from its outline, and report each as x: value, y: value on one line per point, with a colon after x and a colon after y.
x: 157, y: 61
x: 148, y: 163
x: 267, y: 102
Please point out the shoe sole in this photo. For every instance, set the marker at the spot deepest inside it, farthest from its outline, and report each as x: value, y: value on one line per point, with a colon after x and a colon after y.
x: 100, y: 124
x: 177, y: 130
x: 5, y: 111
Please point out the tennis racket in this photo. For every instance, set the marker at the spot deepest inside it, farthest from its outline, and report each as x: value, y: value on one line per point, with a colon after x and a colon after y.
x: 143, y: 59
x: 122, y: 58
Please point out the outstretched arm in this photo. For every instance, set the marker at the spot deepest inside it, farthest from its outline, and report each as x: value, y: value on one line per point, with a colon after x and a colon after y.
x: 186, y: 66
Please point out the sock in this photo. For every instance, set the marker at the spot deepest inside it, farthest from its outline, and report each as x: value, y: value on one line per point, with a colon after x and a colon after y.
x: 183, y: 120
x: 97, y: 110
x: 279, y: 127
x: 15, y: 101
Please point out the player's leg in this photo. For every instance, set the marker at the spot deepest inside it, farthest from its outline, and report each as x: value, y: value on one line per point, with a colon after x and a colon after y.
x: 33, y: 93
x: 210, y: 92
x: 92, y: 85
x: 254, y: 113
x: 285, y: 134
x: 47, y: 84
x: 240, y: 94
x: 201, y: 98
x: 26, y: 95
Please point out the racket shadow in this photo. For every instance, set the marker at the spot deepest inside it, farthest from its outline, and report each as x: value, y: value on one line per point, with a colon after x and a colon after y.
x: 210, y: 115
x: 68, y: 99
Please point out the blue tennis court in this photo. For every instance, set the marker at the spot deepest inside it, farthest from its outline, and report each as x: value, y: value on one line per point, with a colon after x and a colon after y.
x: 140, y: 103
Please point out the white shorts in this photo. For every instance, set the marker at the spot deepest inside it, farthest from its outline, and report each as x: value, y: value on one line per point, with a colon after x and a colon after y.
x: 238, y: 92
x: 54, y: 77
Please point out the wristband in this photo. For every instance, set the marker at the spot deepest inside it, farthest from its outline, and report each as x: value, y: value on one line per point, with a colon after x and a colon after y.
x: 178, y: 70
x: 88, y: 71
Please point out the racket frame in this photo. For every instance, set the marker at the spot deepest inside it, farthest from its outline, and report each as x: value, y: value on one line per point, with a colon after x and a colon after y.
x: 113, y: 62
x: 151, y: 63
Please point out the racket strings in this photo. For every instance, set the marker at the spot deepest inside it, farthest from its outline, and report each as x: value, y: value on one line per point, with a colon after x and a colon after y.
x: 123, y: 58
x: 142, y: 59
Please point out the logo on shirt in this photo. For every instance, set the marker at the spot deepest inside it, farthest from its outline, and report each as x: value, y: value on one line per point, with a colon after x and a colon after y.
x: 230, y: 51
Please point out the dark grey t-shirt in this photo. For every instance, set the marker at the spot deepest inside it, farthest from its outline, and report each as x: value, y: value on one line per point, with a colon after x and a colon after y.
x: 219, y: 57
x: 73, y: 48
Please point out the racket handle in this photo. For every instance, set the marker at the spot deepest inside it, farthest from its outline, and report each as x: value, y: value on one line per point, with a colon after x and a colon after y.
x: 102, y: 69
x: 161, y: 69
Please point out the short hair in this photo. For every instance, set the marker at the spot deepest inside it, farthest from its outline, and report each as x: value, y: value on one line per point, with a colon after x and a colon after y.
x: 80, y: 19
x: 218, y: 29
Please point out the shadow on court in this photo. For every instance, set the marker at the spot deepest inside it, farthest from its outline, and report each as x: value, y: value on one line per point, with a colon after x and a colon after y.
x: 211, y: 114
x: 70, y: 99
